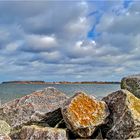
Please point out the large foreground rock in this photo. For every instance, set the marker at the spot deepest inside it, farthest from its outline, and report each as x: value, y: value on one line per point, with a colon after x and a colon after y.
x: 124, y: 118
x: 83, y: 114
x: 132, y: 84
x: 40, y: 133
x: 41, y: 105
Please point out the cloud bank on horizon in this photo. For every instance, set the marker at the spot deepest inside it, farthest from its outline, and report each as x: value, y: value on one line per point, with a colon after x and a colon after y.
x: 67, y: 40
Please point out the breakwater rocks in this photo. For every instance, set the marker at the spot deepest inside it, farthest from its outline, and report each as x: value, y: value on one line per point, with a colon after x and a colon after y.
x: 49, y: 114
x: 36, y: 107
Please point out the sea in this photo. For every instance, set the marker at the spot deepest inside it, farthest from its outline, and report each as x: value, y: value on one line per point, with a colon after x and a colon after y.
x: 11, y: 91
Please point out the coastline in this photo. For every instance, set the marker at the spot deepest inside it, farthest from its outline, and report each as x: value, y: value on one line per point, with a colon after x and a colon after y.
x: 60, y: 82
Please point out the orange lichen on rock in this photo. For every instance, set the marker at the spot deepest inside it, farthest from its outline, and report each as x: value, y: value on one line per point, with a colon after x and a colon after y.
x: 83, y: 111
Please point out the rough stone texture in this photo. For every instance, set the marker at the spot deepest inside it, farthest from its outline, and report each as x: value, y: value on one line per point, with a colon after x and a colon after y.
x: 4, y: 127
x: 41, y: 105
x: 40, y: 133
x: 135, y: 139
x: 83, y: 114
x: 124, y: 118
x: 132, y: 84
x: 4, y: 137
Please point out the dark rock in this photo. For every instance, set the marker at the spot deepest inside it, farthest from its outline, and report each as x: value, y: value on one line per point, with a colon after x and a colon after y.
x: 61, y: 124
x: 132, y: 84
x: 97, y: 135
x: 83, y: 114
x: 124, y: 118
x: 40, y: 106
x: 34, y: 132
x: 53, y: 118
x: 71, y: 135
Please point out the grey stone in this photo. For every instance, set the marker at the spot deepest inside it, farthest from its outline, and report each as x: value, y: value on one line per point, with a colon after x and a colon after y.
x: 34, y: 132
x: 124, y: 118
x: 132, y: 84
x: 43, y: 105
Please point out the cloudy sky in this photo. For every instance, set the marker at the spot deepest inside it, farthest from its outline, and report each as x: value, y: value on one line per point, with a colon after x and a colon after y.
x: 69, y: 40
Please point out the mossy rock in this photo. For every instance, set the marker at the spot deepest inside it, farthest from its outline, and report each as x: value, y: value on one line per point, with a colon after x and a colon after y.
x: 132, y: 84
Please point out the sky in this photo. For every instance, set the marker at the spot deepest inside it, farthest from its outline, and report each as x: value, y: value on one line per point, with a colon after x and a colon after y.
x: 69, y: 40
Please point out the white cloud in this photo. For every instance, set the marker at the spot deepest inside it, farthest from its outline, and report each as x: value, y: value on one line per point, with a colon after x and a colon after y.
x: 78, y: 29
x: 120, y: 40
x: 40, y: 42
x: 54, y: 56
x: 49, y: 40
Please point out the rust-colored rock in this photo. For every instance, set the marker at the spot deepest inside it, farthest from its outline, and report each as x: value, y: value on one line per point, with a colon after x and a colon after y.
x: 34, y: 132
x: 83, y: 114
x: 41, y: 105
x: 124, y: 118
x: 4, y: 137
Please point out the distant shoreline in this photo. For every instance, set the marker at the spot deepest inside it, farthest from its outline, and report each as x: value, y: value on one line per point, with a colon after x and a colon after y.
x: 60, y: 82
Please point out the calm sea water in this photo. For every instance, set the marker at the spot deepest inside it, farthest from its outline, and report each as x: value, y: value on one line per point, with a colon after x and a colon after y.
x: 11, y: 91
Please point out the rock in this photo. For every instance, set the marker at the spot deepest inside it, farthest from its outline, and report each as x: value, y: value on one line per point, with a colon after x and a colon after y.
x: 124, y: 118
x: 4, y: 127
x: 51, y: 118
x: 61, y: 124
x: 97, y: 135
x: 40, y: 133
x: 83, y: 114
x: 135, y: 138
x: 43, y: 105
x: 132, y: 84
x: 4, y: 137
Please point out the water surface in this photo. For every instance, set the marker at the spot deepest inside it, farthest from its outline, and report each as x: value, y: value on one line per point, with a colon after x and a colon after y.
x: 11, y: 91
